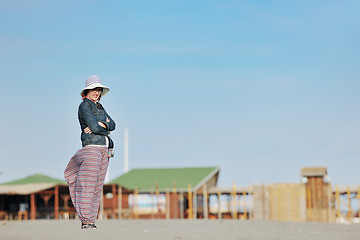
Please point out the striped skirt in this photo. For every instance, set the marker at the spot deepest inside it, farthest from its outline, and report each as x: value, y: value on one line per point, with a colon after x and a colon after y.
x: 85, y: 176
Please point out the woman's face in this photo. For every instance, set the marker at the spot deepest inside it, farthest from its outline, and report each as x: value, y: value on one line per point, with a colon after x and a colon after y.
x: 94, y: 94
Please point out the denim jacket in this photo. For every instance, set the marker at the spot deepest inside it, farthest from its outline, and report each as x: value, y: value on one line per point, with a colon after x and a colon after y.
x: 90, y: 114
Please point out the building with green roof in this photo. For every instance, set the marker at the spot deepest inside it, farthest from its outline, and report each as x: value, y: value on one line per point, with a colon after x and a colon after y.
x: 32, y: 197
x: 168, y: 179
x: 143, y: 189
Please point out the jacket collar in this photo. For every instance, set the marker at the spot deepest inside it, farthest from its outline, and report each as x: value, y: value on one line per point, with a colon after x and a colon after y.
x: 90, y: 102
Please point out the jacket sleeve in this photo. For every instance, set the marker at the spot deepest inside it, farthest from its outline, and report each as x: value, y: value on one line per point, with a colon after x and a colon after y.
x: 90, y: 120
x: 110, y: 125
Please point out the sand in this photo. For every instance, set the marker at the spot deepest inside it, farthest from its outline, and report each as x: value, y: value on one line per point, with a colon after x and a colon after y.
x: 177, y: 229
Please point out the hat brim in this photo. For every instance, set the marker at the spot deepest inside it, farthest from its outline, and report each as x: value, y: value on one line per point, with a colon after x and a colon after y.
x: 96, y: 85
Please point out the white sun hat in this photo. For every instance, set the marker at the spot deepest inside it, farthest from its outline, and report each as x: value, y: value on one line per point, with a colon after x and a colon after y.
x: 95, y: 82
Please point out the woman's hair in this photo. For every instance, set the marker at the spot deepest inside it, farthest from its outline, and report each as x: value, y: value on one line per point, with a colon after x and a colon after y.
x: 85, y: 93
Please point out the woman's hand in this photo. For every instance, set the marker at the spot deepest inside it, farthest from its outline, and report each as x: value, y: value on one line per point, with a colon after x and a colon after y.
x: 102, y: 124
x: 87, y: 130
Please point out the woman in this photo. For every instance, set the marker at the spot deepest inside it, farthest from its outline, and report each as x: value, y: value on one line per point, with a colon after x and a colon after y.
x: 86, y: 170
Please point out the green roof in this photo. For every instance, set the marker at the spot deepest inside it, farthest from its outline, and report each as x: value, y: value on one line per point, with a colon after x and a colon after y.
x: 146, y: 179
x: 37, y: 178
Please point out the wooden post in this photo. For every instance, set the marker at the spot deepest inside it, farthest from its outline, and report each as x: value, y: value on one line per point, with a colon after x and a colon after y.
x: 114, y: 199
x: 309, y: 202
x: 56, y: 203
x: 157, y: 192
x: 205, y: 200
x: 195, y: 210
x: 167, y: 206
x: 32, y: 206
x: 135, y: 203
x: 120, y: 202
x: 337, y: 195
x: 241, y: 198
x: 181, y: 205
x: 233, y: 198
x: 174, y: 204
x: 245, y: 209
x: 330, y: 195
x: 219, y: 204
x: 349, y: 204
x: 153, y: 203
x: 190, y: 201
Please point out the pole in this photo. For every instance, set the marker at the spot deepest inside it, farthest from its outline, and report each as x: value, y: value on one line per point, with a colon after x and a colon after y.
x: 233, y: 194
x: 174, y: 205
x: 167, y: 206
x: 181, y: 205
x: 337, y: 195
x: 190, y: 199
x: 195, y: 205
x: 205, y: 199
x: 245, y: 207
x: 157, y: 199
x: 219, y: 204
x: 32, y: 206
x: 309, y: 202
x: 349, y: 204
x: 120, y: 202
x: 114, y: 200
x: 56, y: 203
x: 136, y: 203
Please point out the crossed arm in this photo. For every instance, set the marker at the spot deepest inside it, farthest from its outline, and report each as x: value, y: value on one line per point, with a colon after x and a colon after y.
x: 87, y: 130
x: 92, y: 124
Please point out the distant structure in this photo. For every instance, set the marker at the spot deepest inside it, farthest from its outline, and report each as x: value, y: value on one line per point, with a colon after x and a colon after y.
x: 176, y: 186
x: 191, y: 193
x: 318, y: 193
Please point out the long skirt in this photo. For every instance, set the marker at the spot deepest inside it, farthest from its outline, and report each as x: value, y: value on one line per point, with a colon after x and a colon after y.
x: 85, y: 175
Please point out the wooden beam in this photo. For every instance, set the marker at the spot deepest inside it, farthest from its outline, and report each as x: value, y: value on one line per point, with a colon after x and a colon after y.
x: 195, y: 205
x: 56, y: 203
x: 120, y: 202
x: 337, y: 195
x: 114, y: 199
x: 233, y: 201
x: 349, y: 204
x: 205, y: 204
x: 32, y: 206
x: 219, y: 204
x: 167, y: 204
x: 190, y: 203
x: 181, y: 205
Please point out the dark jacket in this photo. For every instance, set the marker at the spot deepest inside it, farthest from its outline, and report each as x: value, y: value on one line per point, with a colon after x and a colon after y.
x: 89, y: 115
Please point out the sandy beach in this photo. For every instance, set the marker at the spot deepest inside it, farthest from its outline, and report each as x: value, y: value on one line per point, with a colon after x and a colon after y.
x: 177, y: 229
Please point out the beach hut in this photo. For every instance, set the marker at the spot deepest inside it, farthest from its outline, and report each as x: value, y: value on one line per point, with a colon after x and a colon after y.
x: 35, y: 196
x: 318, y: 193
x: 165, y: 192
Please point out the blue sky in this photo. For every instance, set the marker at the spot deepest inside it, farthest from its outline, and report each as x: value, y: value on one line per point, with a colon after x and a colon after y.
x: 258, y: 88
